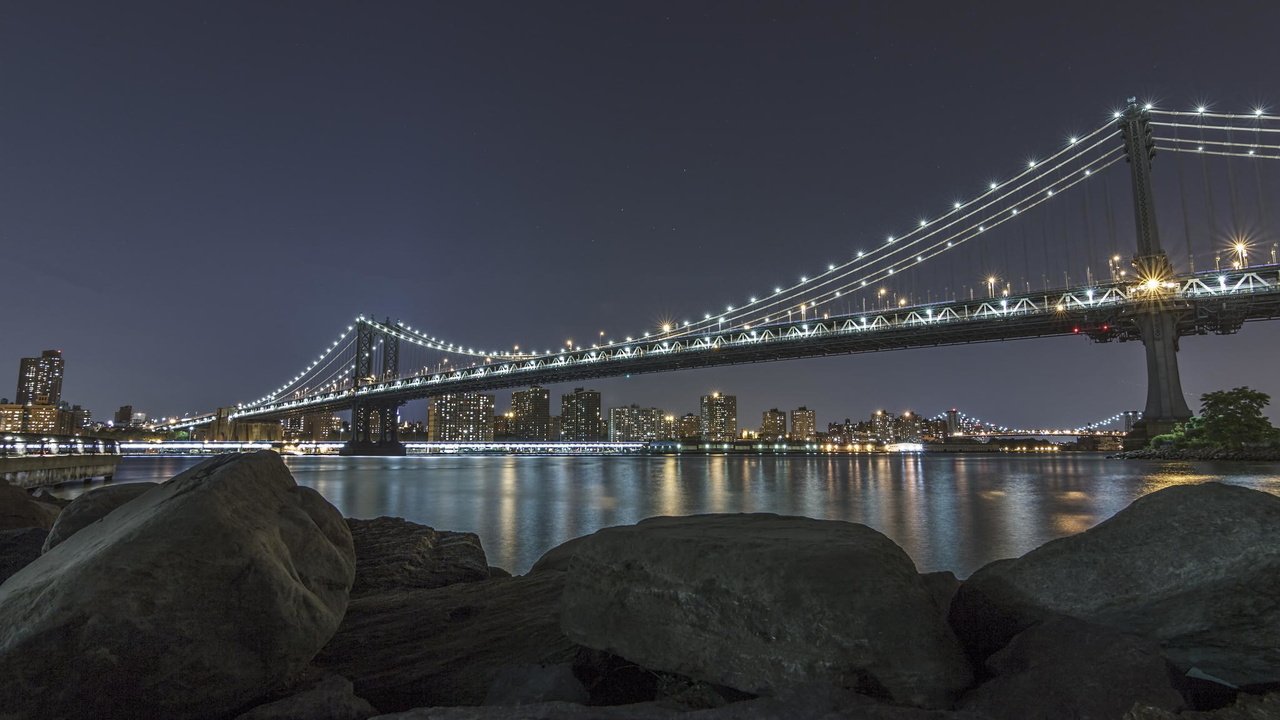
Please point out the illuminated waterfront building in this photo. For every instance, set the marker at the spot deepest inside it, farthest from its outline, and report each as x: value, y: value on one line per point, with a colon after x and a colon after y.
x: 461, y: 417
x: 42, y: 419
x: 773, y: 425
x: 580, y: 416
x: 636, y: 424
x: 689, y: 426
x: 882, y: 426
x: 40, y: 379
x: 804, y: 424
x: 531, y: 414
x: 719, y: 421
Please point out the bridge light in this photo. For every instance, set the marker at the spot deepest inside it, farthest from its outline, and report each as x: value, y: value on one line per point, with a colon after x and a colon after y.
x: 994, y: 185
x: 804, y: 279
x: 1031, y: 163
x: 1200, y: 109
x: 1148, y: 106
x: 1072, y: 140
x: 956, y: 205
x: 1257, y: 112
x: 860, y: 253
x: 923, y: 222
x: 890, y: 240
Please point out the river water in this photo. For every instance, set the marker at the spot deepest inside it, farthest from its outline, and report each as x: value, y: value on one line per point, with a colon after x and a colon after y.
x: 949, y: 512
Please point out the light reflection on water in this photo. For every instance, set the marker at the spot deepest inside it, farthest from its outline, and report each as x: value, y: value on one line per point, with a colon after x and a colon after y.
x: 949, y: 512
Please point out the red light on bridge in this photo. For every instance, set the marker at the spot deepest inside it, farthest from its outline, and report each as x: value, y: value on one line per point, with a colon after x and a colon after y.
x: 1075, y: 330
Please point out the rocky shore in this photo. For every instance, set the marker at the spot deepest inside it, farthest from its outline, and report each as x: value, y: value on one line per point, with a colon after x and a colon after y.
x: 232, y: 592
x: 1251, y: 454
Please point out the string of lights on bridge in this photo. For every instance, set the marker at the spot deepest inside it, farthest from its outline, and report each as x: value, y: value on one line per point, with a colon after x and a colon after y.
x: 1039, y: 181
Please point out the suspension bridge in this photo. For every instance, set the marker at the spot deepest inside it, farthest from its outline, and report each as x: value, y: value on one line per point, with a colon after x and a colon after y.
x: 972, y: 273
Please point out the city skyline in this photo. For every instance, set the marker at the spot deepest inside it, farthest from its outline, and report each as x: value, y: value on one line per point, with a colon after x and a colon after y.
x: 192, y: 173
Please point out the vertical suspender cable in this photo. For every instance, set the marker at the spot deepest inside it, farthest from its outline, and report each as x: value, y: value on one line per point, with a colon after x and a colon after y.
x: 1111, y: 217
x: 1208, y: 192
x: 1265, y: 230
x: 1186, y: 221
x: 1088, y: 232
x: 1234, y: 197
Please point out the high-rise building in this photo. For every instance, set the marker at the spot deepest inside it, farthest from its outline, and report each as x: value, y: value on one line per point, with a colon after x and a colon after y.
x: 636, y: 424
x: 502, y: 425
x: 882, y: 426
x: 460, y: 417
x: 689, y: 426
x: 580, y: 416
x: 909, y: 427
x: 719, y: 422
x: 953, y: 422
x: 123, y: 416
x: 804, y: 424
x: 531, y: 414
x: 773, y: 425
x: 40, y: 379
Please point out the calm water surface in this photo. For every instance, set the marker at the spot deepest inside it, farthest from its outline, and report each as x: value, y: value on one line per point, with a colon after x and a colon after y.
x: 948, y: 512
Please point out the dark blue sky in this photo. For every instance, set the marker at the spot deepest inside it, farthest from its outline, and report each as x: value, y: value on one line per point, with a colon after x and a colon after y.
x: 195, y: 197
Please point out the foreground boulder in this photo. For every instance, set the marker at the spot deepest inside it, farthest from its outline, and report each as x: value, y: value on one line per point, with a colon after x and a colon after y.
x: 818, y: 703
x: 761, y: 603
x: 1066, y: 669
x: 92, y: 507
x: 1246, y: 707
x: 19, y: 510
x: 394, y: 553
x: 322, y: 697
x: 191, y: 601
x: 445, y: 646
x: 1195, y: 567
x: 19, y: 548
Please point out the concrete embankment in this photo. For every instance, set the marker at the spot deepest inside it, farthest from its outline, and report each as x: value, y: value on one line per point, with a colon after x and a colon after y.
x: 33, y: 471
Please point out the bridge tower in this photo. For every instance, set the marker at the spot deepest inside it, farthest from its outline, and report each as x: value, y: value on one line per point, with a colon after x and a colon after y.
x: 374, y: 424
x: 1156, y: 322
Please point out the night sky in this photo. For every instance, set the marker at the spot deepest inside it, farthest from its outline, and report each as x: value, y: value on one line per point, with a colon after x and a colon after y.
x: 196, y: 197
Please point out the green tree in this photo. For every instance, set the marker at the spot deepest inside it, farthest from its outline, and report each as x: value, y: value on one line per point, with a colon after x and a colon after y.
x: 1229, y: 419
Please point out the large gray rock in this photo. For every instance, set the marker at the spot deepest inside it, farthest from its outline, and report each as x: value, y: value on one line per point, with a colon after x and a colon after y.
x: 761, y: 603
x: 445, y: 646
x: 529, y: 684
x: 559, y: 557
x: 92, y: 507
x: 19, y: 510
x: 1195, y: 567
x: 191, y: 601
x: 1065, y: 669
x: 809, y: 706
x: 19, y: 548
x: 393, y: 553
x: 1246, y: 707
x: 326, y: 697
